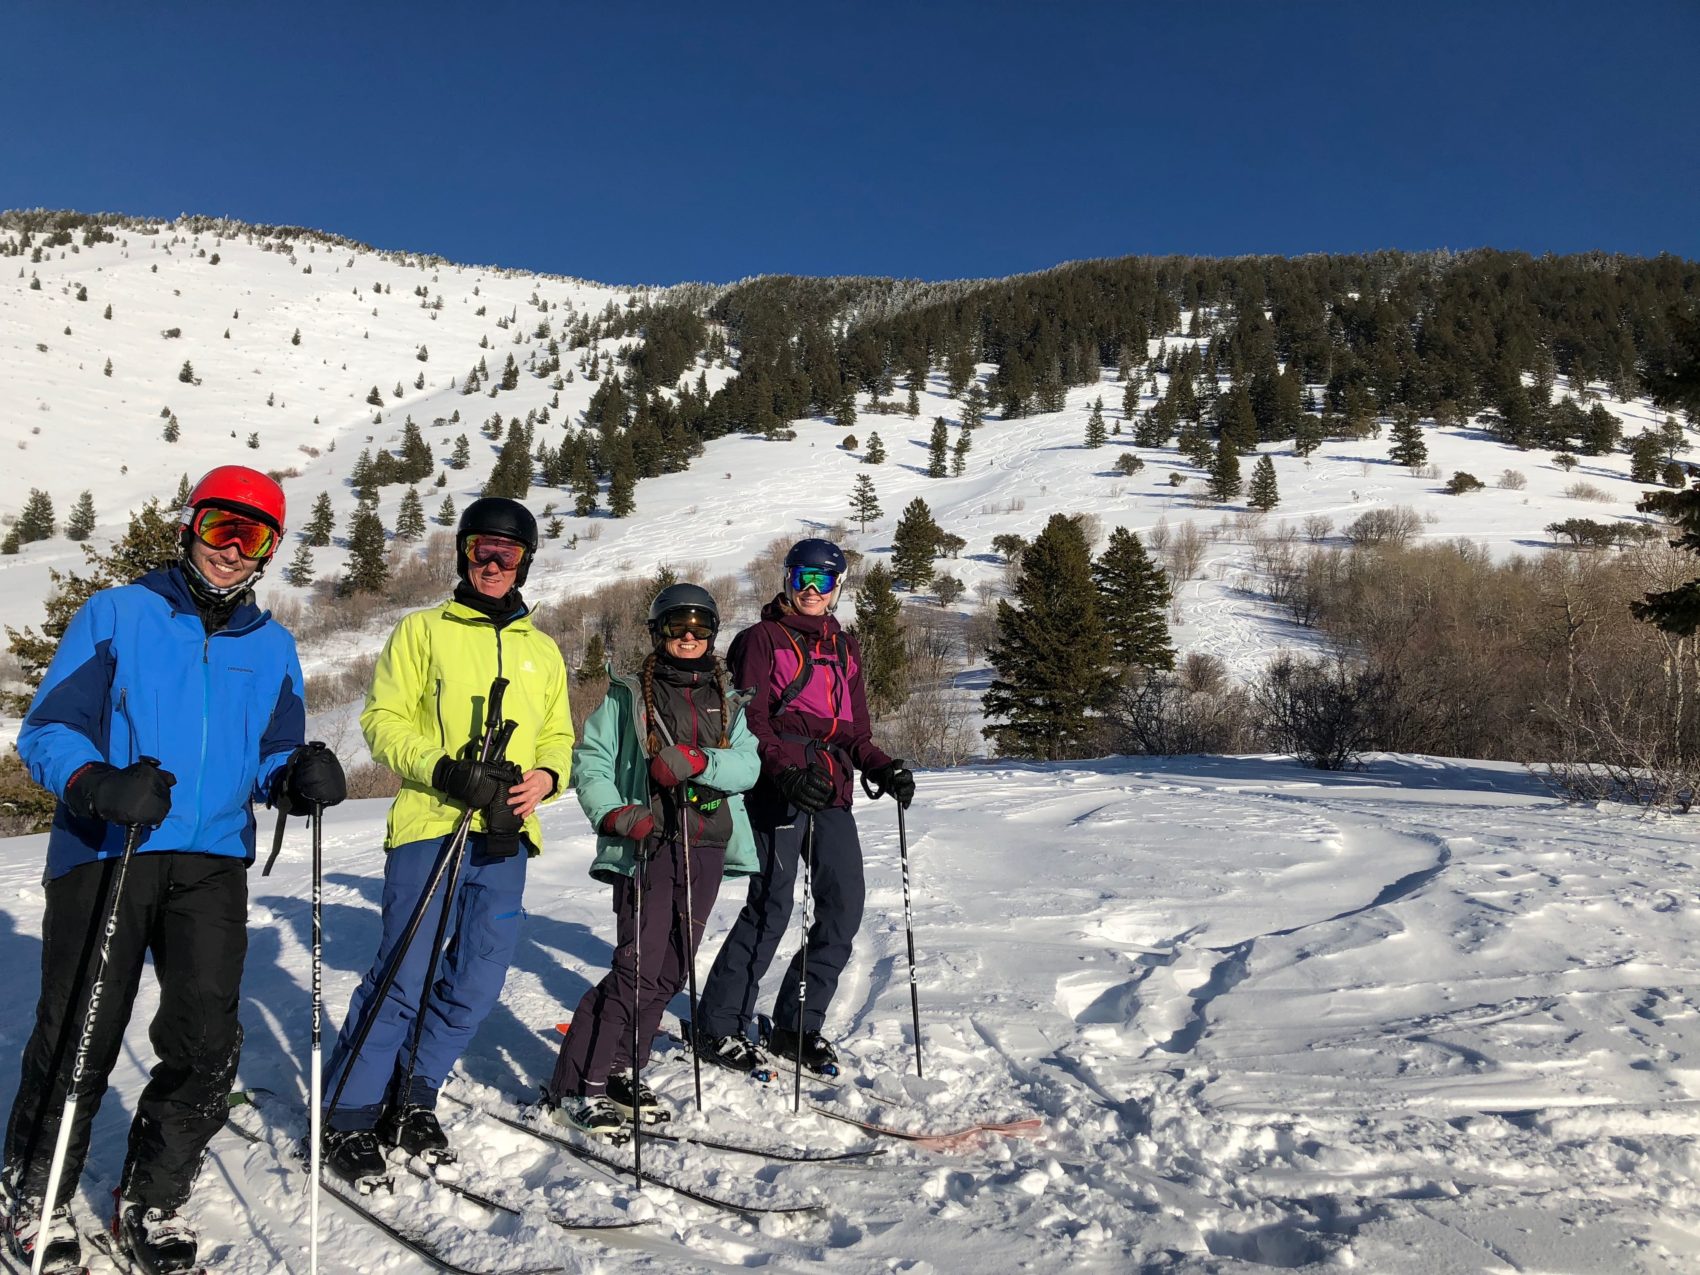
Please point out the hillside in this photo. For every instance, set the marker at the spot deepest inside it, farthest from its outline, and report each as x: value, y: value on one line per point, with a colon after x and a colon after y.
x: 238, y: 297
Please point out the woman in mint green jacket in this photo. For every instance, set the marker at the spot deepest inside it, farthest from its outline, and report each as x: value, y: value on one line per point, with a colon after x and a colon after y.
x: 658, y: 772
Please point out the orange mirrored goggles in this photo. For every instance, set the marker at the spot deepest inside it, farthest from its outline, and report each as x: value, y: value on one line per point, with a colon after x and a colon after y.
x: 697, y: 623
x: 217, y: 528
x: 506, y: 554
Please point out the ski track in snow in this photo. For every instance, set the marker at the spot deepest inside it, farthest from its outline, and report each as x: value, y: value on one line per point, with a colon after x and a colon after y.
x: 1419, y: 1018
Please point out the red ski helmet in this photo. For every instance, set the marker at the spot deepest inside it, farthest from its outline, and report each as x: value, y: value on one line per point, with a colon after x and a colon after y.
x: 238, y: 488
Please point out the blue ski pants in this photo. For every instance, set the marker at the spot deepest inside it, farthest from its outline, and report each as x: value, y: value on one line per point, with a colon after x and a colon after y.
x: 484, y: 928
x: 728, y: 998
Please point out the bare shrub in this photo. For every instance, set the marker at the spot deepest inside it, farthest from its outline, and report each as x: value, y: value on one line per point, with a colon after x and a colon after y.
x: 343, y: 684
x: 1183, y: 555
x: 1157, y: 539
x: 1393, y: 525
x: 1163, y: 713
x: 1511, y: 480
x: 1587, y: 491
x: 1324, y: 711
x: 368, y: 779
x: 1317, y: 527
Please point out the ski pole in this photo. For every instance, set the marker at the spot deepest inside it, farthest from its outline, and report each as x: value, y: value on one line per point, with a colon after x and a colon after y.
x: 803, y: 958
x: 690, y: 919
x: 874, y: 794
x: 909, y: 933
x: 73, y: 1093
x: 638, y: 862
x: 315, y: 1077
x: 495, y: 746
x: 451, y: 849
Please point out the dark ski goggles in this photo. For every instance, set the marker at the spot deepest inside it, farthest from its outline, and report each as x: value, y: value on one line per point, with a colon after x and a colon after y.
x: 218, y: 528
x: 506, y: 554
x: 819, y: 579
x: 694, y: 623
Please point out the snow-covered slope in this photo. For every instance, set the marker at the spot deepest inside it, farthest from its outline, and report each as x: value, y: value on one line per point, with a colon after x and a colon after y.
x: 66, y: 427
x: 1419, y: 1019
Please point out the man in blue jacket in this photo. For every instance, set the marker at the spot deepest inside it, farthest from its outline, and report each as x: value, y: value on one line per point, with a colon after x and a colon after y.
x: 171, y: 705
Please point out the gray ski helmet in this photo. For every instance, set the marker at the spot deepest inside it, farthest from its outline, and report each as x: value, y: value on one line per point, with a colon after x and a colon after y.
x: 690, y: 598
x: 817, y: 553
x: 496, y: 516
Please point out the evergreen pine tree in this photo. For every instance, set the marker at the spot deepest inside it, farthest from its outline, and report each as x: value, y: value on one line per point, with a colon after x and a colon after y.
x: 1133, y: 600
x: 184, y: 490
x: 368, y: 566
x: 1130, y: 400
x: 622, y: 480
x: 974, y: 407
x: 1052, y: 654
x: 510, y: 374
x: 81, y: 523
x: 375, y: 397
x: 595, y: 662
x: 913, y: 406
x: 186, y: 373
x: 446, y: 512
x: 172, y: 432
x: 959, y: 451
x: 11, y: 544
x: 1263, y: 495
x: 299, y: 572
x: 1307, y: 434
x: 1408, y: 448
x: 864, y: 501
x: 1095, y: 432
x: 913, y: 545
x: 1239, y: 419
x: 149, y: 541
x: 36, y: 520
x: 410, y: 518
x: 1225, y: 481
x: 1645, y: 453
x: 875, y: 455
x: 936, y: 447
x: 317, y: 532
x: 845, y: 412
x: 881, y: 638
x: 462, y: 455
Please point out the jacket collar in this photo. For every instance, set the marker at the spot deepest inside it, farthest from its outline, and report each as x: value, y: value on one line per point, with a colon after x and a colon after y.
x: 168, y: 583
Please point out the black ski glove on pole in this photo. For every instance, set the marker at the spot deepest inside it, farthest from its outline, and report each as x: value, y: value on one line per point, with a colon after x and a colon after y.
x: 311, y: 777
x: 471, y: 782
x: 808, y: 788
x: 897, y: 779
x: 501, y: 825
x: 138, y: 795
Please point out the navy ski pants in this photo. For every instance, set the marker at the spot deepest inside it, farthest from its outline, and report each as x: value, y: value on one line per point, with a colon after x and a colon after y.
x: 483, y: 932
x: 729, y: 997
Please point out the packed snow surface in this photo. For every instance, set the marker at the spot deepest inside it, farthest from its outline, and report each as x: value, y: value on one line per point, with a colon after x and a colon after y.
x: 1423, y: 1017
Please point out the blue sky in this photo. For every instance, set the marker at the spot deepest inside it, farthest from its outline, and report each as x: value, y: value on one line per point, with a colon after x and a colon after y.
x: 655, y: 143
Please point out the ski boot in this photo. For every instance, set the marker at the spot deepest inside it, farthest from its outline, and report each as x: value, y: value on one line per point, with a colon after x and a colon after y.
x: 642, y: 1104
x: 64, y: 1255
x: 156, y: 1240
x: 415, y: 1131
x: 594, y: 1115
x: 354, y: 1156
x: 735, y: 1053
x: 817, y: 1053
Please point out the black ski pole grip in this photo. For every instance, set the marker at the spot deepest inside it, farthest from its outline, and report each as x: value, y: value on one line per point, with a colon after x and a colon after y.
x: 493, y: 710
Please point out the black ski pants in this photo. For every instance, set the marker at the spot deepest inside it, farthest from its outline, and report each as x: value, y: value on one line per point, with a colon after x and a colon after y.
x: 190, y: 912
x: 729, y: 996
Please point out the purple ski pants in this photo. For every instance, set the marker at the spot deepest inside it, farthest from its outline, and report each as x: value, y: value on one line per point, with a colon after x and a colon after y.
x: 600, y: 1040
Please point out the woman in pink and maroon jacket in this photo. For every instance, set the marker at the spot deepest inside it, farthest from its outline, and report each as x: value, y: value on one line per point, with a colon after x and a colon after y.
x: 809, y: 713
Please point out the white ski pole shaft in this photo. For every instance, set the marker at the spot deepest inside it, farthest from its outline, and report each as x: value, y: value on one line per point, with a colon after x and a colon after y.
x: 73, y: 1092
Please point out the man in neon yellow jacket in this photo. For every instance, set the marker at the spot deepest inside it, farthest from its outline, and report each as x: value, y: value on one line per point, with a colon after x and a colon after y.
x: 425, y: 708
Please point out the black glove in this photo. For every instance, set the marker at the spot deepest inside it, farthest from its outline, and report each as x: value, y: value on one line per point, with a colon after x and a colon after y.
x: 501, y: 825
x: 471, y: 782
x: 808, y: 788
x: 138, y: 795
x: 895, y: 778
x: 311, y: 777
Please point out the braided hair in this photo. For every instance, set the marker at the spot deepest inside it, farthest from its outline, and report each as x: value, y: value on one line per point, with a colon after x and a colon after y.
x: 722, y: 680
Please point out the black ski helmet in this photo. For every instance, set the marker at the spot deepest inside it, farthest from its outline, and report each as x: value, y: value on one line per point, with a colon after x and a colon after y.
x: 692, y: 599
x: 817, y: 553
x: 496, y: 516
